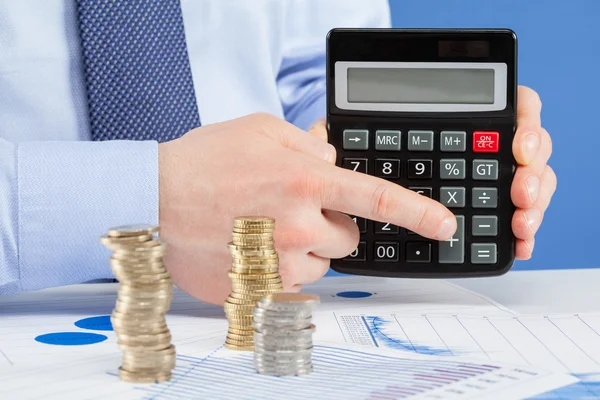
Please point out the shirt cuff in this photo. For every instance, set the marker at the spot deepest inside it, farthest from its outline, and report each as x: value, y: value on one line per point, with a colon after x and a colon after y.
x: 71, y: 193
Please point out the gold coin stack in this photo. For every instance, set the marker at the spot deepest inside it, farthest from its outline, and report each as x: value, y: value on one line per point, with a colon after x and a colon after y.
x: 254, y: 274
x: 144, y: 298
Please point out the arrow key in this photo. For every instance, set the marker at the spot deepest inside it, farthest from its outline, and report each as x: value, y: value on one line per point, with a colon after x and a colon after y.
x: 356, y: 139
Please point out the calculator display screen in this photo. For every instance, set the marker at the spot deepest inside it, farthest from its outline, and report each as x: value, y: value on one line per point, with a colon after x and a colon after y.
x: 421, y: 85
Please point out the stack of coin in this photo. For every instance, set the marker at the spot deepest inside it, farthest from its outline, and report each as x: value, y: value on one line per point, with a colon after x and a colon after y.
x: 254, y: 274
x: 283, y: 336
x: 144, y: 298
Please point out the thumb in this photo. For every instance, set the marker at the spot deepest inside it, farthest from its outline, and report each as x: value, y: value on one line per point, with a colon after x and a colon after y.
x: 319, y: 129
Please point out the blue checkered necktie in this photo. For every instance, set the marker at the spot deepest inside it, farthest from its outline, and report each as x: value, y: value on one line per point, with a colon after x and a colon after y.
x: 137, y: 69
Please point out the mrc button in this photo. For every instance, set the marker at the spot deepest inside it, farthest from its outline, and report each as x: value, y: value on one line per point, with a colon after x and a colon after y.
x: 387, y: 140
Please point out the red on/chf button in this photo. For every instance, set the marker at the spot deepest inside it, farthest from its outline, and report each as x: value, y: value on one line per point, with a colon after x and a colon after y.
x: 486, y: 142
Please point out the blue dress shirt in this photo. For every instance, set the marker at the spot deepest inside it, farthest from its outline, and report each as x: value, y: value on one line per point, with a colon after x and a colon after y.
x: 59, y: 191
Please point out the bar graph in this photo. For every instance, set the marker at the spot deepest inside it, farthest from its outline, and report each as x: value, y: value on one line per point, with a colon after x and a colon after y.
x: 222, y: 375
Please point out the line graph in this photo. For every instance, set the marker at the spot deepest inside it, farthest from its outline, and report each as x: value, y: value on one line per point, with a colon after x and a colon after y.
x: 568, y: 343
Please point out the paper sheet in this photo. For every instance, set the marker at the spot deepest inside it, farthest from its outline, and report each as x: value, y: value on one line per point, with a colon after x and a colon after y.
x: 35, y: 362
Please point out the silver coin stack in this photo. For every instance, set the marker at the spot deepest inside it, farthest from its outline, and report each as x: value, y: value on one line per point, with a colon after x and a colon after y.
x: 283, y: 332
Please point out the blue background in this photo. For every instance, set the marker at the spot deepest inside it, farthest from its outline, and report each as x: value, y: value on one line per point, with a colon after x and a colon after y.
x: 559, y: 57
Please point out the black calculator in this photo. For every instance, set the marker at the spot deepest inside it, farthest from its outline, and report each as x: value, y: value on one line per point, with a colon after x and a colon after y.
x: 433, y: 110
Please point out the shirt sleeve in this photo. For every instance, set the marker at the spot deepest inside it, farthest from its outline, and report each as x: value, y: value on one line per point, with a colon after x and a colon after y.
x: 58, y: 198
x: 301, y: 77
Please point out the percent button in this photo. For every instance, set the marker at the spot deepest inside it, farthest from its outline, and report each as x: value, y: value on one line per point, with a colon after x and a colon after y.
x: 452, y: 169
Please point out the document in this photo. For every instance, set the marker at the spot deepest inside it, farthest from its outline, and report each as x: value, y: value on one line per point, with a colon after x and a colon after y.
x: 371, y: 342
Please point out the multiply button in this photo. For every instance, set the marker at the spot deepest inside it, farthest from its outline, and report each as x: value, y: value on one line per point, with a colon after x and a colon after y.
x: 484, y: 198
x: 485, y: 170
x: 453, y: 141
x: 452, y: 251
x: 420, y: 140
x: 356, y: 139
x: 452, y: 196
x: 387, y: 140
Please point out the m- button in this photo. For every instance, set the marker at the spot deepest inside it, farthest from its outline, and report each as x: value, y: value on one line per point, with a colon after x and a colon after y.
x: 387, y: 140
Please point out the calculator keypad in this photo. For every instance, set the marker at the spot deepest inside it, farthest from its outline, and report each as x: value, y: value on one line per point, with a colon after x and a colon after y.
x: 451, y: 173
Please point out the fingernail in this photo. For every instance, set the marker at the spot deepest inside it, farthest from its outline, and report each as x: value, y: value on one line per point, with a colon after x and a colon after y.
x: 533, y: 219
x: 531, y: 144
x: 533, y: 187
x: 446, y: 229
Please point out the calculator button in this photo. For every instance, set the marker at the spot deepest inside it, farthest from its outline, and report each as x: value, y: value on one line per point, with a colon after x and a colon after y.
x: 418, y: 252
x: 452, y: 251
x: 452, y: 169
x: 486, y: 142
x: 420, y: 140
x: 356, y: 139
x: 387, y: 168
x: 420, y: 169
x: 384, y: 228
x: 359, y: 254
x: 453, y: 141
x: 425, y: 191
x: 452, y: 196
x: 355, y: 164
x: 484, y: 225
x: 485, y: 170
x: 483, y: 253
x: 387, y: 140
x: 484, y: 198
x: 360, y: 222
x: 386, y: 251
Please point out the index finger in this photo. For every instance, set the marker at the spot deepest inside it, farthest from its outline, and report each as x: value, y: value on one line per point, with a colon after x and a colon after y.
x: 380, y: 200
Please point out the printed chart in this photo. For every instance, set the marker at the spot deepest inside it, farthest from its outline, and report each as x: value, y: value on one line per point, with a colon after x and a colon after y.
x: 567, y: 343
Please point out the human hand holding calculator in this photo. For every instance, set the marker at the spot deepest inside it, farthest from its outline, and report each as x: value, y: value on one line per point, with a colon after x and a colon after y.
x: 435, y: 111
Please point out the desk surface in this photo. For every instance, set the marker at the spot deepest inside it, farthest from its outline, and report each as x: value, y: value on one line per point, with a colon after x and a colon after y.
x: 558, y: 291
x: 425, y: 310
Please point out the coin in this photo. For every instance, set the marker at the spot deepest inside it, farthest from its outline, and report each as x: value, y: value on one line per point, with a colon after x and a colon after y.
x: 143, y: 299
x: 254, y: 273
x: 283, y: 333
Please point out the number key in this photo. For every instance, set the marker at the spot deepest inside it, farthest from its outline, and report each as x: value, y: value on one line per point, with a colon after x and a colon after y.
x: 420, y: 169
x: 386, y: 228
x: 355, y: 164
x: 386, y: 251
x: 387, y: 168
x: 361, y: 222
x: 359, y: 254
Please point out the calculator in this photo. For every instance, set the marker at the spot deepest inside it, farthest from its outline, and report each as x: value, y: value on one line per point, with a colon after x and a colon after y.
x: 433, y: 110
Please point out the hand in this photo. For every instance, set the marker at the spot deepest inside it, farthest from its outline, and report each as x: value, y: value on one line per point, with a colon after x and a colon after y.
x: 260, y: 165
x: 534, y: 181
